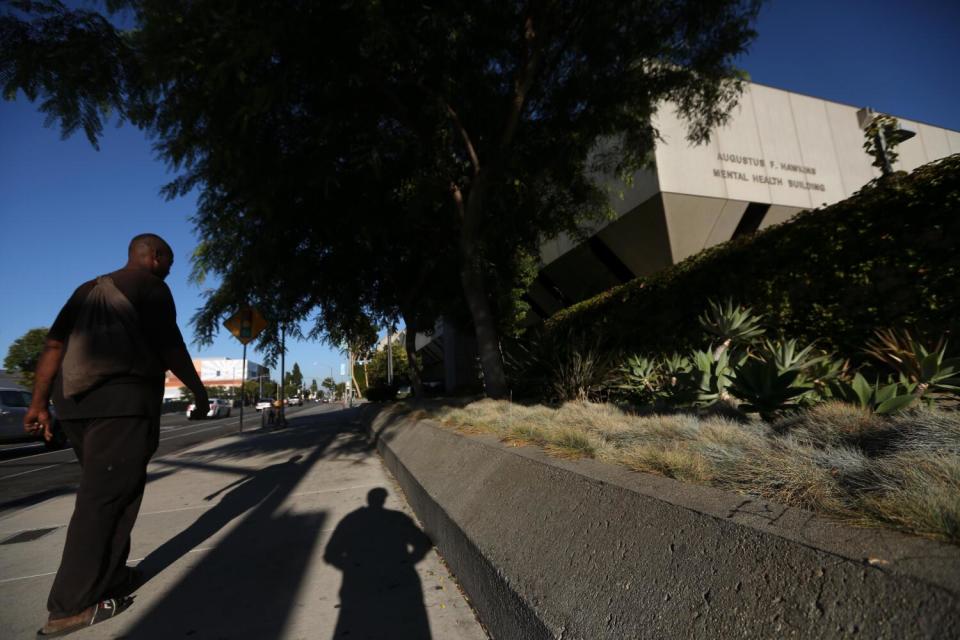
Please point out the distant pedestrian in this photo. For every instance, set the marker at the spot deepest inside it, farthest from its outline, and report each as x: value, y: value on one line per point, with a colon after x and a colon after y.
x: 103, y: 365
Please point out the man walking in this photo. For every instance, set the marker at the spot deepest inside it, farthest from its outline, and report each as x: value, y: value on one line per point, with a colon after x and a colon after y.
x: 103, y: 365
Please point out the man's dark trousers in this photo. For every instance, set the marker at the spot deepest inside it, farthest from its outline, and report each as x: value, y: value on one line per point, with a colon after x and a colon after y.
x: 113, y: 453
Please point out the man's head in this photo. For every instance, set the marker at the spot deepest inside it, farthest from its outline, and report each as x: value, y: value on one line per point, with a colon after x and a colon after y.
x: 150, y: 252
x: 377, y: 497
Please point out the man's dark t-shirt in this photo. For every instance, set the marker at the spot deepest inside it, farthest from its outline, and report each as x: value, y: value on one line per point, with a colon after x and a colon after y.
x: 127, y: 395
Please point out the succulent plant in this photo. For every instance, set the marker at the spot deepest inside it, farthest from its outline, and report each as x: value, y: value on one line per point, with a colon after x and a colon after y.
x: 731, y: 324
x: 928, y: 368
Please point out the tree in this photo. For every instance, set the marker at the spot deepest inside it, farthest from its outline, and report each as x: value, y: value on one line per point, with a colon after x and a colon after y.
x: 293, y: 383
x: 470, y: 130
x: 329, y: 384
x: 377, y: 366
x: 23, y: 354
x: 881, y: 140
x: 296, y: 376
x: 251, y: 390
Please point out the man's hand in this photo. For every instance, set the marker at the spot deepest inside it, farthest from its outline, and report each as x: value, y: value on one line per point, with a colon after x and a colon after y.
x: 38, y: 419
x: 201, y: 407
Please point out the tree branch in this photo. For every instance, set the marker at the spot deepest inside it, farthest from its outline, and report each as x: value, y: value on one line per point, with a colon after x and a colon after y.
x: 471, y: 150
x: 523, y: 80
x: 458, y: 200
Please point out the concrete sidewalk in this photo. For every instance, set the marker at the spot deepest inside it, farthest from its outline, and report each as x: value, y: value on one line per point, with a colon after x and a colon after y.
x: 233, y: 535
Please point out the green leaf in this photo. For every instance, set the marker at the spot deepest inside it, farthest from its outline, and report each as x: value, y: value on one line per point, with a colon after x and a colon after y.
x: 886, y: 393
x: 863, y: 390
x: 895, y: 404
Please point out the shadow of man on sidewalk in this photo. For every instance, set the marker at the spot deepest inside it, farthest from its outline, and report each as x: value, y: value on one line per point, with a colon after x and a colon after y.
x: 242, y: 495
x: 381, y: 595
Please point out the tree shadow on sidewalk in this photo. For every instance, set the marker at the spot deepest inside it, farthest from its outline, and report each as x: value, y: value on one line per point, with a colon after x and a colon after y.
x: 246, y: 585
x: 381, y: 595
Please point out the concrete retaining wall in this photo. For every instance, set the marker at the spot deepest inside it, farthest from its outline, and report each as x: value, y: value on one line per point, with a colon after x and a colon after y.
x: 548, y: 548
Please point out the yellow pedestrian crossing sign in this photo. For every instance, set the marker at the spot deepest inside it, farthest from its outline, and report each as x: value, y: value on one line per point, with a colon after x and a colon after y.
x: 246, y: 324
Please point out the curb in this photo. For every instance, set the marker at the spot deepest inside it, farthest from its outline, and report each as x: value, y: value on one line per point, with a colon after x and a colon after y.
x: 549, y: 548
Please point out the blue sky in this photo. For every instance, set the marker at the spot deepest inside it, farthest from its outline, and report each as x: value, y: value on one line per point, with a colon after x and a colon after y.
x: 67, y: 211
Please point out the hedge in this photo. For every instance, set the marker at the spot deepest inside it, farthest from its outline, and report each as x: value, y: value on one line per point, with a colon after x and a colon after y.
x: 885, y: 257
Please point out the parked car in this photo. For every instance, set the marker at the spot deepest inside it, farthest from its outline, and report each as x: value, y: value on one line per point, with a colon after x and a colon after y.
x: 294, y: 402
x: 264, y: 403
x: 13, y: 406
x: 219, y: 408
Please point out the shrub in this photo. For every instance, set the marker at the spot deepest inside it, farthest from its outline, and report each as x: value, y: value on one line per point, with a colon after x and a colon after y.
x: 382, y: 392
x: 924, y: 367
x: 559, y: 368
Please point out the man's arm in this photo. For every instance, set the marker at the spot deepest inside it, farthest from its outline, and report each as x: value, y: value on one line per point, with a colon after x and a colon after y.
x: 178, y: 361
x: 38, y: 415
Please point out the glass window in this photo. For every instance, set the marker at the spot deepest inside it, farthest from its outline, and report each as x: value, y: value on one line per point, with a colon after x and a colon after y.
x: 17, y: 399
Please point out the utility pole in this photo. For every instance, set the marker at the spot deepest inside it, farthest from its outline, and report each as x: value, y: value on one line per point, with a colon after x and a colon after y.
x: 390, y: 356
x: 283, y: 353
x: 243, y: 379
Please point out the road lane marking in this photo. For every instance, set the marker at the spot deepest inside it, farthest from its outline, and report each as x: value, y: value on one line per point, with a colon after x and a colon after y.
x: 45, y: 453
x: 182, y: 435
x: 23, y: 473
x: 32, y: 445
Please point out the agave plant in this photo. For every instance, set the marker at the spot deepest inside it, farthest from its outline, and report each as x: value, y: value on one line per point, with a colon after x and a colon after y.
x: 679, y: 386
x: 642, y: 379
x: 766, y: 390
x: 787, y: 357
x: 731, y: 324
x: 890, y: 397
x: 711, y: 375
x: 773, y: 378
x: 928, y: 368
x: 825, y: 373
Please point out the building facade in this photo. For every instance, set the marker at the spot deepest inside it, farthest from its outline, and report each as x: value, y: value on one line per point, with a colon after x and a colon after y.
x: 216, y: 372
x: 779, y: 154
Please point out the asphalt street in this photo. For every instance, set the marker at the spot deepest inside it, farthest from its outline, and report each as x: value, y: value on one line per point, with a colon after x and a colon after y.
x: 30, y: 474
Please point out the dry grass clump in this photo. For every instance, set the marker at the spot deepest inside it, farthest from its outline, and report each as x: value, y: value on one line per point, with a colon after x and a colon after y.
x: 916, y: 492
x: 901, y: 472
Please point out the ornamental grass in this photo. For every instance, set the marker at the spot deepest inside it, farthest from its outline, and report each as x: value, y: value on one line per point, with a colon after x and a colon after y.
x: 901, y: 471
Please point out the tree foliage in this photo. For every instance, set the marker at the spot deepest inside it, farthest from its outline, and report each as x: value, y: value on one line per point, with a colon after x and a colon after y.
x: 377, y: 366
x: 23, y: 354
x: 329, y: 384
x: 293, y: 382
x: 360, y: 163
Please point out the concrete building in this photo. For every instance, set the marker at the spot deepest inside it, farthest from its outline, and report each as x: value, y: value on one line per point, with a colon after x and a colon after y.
x: 216, y: 372
x: 779, y: 154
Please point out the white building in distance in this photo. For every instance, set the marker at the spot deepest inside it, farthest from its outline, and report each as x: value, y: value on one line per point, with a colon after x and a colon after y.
x: 216, y: 372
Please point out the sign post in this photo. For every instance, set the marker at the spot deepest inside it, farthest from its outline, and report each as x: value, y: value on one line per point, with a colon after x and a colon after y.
x: 245, y: 325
